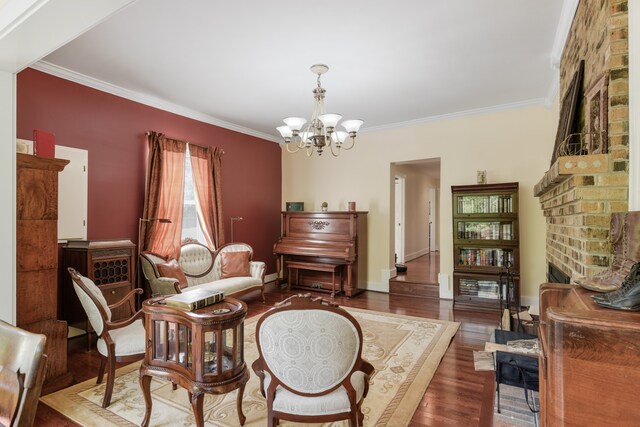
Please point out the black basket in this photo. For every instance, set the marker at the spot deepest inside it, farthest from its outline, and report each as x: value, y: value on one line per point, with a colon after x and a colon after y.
x: 518, y: 370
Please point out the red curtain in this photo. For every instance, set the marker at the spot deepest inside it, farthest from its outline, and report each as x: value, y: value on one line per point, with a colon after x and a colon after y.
x: 164, y: 197
x: 206, y: 165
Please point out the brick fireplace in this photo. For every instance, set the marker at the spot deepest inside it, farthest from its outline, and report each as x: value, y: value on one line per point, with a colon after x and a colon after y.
x: 579, y: 193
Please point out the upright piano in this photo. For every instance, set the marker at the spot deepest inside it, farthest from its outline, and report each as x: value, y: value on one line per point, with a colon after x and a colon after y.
x: 337, y: 238
x: 590, y: 361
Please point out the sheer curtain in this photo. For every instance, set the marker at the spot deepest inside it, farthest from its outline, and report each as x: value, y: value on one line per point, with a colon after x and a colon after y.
x: 164, y: 196
x: 206, y: 165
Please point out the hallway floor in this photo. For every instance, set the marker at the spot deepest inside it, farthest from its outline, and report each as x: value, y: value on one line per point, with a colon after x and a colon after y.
x: 423, y: 269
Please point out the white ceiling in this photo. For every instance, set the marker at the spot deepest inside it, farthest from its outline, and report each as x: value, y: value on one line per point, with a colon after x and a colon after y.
x: 245, y: 64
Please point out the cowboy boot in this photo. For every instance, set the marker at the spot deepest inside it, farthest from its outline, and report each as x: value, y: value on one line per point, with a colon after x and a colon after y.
x: 632, y: 236
x: 612, y: 278
x: 607, y: 281
x: 630, y: 287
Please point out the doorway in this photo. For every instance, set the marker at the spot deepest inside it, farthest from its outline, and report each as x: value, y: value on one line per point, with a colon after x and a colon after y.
x: 416, y: 204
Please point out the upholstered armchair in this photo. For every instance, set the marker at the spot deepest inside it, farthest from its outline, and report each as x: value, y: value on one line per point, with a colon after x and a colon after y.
x: 310, y: 366
x: 120, y: 341
x: 22, y: 369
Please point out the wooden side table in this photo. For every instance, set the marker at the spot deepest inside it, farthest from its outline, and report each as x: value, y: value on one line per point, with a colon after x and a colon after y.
x: 201, y: 351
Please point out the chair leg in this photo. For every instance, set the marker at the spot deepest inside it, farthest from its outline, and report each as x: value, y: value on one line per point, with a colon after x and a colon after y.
x: 271, y: 420
x: 103, y: 361
x: 110, y: 380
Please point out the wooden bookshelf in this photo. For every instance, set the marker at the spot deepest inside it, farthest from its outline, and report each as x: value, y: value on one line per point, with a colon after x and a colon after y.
x: 485, y: 240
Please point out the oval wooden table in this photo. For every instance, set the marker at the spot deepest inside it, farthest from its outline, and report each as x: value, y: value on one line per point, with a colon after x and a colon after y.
x: 201, y: 351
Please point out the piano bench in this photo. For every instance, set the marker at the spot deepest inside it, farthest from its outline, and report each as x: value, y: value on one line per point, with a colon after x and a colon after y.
x: 332, y: 267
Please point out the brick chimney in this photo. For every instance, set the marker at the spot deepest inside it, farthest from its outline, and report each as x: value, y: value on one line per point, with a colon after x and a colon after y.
x: 579, y: 193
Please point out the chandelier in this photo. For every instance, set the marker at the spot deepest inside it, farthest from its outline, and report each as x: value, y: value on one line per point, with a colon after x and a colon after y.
x: 320, y: 132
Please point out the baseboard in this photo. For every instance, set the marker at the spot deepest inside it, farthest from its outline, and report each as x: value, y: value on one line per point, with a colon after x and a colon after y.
x: 529, y: 301
x: 383, y: 285
x: 414, y: 255
x: 446, y: 291
x: 378, y: 287
x: 386, y: 275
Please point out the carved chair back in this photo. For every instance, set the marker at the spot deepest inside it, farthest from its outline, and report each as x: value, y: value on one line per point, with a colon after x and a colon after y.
x: 22, y: 370
x: 309, y: 346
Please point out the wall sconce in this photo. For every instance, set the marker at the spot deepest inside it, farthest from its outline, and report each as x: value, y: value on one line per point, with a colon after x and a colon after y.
x: 234, y: 219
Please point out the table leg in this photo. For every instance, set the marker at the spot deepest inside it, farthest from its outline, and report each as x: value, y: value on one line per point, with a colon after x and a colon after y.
x: 196, y: 404
x: 145, y: 385
x: 241, y: 416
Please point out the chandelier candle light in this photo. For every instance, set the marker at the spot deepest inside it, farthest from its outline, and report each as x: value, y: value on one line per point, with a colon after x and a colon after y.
x: 320, y: 132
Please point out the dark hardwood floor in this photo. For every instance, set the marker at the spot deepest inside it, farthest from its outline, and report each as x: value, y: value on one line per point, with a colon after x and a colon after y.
x: 423, y: 269
x: 457, y: 395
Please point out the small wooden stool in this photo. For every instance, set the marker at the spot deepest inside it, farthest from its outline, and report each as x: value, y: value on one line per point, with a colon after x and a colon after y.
x: 328, y: 266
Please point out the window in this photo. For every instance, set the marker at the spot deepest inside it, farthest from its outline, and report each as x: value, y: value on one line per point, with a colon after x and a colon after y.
x: 190, y: 224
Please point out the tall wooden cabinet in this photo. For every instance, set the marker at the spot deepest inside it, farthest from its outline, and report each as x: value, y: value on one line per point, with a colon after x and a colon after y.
x: 37, y: 261
x: 485, y: 240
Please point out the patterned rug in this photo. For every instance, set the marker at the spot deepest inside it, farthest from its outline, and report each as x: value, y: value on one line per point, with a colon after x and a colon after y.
x: 405, y: 351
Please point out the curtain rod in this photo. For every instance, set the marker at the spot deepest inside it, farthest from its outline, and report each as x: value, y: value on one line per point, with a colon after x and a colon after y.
x: 147, y: 133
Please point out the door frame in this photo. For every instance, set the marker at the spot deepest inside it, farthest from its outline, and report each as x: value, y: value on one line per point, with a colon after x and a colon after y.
x: 433, y: 207
x: 399, y: 220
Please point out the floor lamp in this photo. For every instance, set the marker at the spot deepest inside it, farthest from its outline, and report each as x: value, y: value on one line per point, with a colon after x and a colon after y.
x: 139, y: 264
x: 234, y: 219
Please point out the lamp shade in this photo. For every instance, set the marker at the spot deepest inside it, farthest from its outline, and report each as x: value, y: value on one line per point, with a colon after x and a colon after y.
x: 330, y: 120
x: 295, y: 123
x: 285, y: 131
x: 339, y: 137
x: 352, y: 125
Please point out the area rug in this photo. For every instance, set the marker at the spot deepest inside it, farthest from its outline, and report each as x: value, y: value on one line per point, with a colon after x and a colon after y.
x: 405, y: 351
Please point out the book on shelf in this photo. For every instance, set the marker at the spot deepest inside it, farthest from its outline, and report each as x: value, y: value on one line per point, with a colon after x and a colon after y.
x: 194, y: 300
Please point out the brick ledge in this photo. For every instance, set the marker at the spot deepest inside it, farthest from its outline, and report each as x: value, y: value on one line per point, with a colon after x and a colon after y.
x: 566, y: 166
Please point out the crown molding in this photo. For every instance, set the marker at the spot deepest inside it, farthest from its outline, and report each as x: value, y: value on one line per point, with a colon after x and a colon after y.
x: 458, y: 115
x: 554, y: 88
x: 152, y: 101
x: 567, y: 13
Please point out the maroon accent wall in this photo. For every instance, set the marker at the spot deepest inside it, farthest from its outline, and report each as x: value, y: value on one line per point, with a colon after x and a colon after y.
x: 113, y: 130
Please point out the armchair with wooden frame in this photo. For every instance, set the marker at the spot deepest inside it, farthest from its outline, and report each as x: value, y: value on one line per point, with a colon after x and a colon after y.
x: 22, y: 370
x: 310, y: 365
x: 121, y: 341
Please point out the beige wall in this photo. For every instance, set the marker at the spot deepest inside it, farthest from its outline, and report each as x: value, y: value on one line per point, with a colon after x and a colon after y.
x: 512, y: 145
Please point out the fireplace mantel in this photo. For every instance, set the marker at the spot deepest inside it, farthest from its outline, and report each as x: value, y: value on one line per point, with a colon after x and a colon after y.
x: 566, y: 166
x: 577, y: 196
